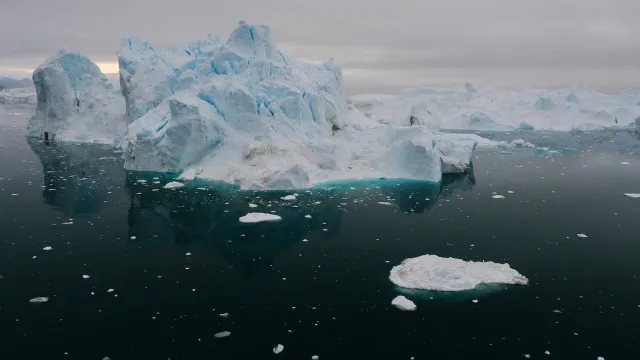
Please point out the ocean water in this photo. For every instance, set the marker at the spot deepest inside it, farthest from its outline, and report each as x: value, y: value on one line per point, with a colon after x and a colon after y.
x: 183, y: 268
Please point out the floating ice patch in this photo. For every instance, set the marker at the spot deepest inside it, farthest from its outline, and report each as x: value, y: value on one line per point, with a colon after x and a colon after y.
x: 47, y: 248
x: 582, y: 236
x: 173, y: 185
x: 625, y: 163
x: 278, y: 349
x: 288, y: 197
x: 259, y: 217
x: 431, y: 272
x: 38, y: 300
x: 403, y: 303
x: 110, y: 290
x: 307, y: 216
x: 222, y: 334
x: 85, y: 276
x: 632, y: 195
x: 251, y: 205
x: 498, y: 197
x: 384, y: 203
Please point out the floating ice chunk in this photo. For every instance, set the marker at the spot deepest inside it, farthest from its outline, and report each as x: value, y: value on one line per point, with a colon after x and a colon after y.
x: 547, y: 352
x: 307, y: 216
x: 173, y: 185
x: 498, y: 197
x: 278, y: 349
x: 475, y: 301
x: 253, y: 205
x: 384, y: 203
x: 582, y: 236
x: 85, y: 276
x: 259, y: 217
x: 224, y: 315
x: 47, y: 248
x: 42, y: 299
x: 625, y: 163
x: 431, y: 272
x: 110, y: 290
x: 288, y: 197
x: 315, y: 357
x: 403, y: 303
x: 222, y: 334
x: 632, y: 195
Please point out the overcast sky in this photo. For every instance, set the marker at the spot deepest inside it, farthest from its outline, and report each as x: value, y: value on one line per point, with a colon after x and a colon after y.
x: 383, y: 46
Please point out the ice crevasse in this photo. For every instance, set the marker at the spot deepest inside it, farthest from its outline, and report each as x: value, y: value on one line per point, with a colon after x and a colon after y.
x: 239, y: 111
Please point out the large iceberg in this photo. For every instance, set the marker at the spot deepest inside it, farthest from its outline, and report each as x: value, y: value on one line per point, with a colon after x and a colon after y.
x: 75, y: 102
x: 502, y: 110
x: 243, y: 112
x: 431, y: 272
x: 239, y: 111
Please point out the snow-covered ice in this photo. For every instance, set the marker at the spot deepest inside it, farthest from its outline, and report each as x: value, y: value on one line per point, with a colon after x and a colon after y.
x: 173, y: 185
x: 582, y: 235
x: 278, y: 349
x: 632, y: 195
x: 259, y: 217
x: 222, y: 334
x: 431, y: 272
x: 38, y: 300
x: 288, y: 198
x: 403, y: 303
x: 47, y: 248
x: 498, y: 196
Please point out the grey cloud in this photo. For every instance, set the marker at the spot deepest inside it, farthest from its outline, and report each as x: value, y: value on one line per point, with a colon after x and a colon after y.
x: 476, y: 37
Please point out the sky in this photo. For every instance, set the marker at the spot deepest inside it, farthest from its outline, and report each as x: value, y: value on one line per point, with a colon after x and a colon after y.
x: 382, y: 46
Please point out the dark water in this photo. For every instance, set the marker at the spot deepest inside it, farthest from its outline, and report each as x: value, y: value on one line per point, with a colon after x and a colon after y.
x: 329, y: 296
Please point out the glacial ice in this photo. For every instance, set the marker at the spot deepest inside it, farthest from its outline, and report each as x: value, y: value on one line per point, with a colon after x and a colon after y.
x: 492, y: 109
x: 431, y: 272
x: 243, y: 112
x: 75, y: 102
x: 403, y: 303
x: 251, y: 218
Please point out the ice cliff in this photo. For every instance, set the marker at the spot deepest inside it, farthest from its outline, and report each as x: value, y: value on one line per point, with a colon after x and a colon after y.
x: 75, y: 102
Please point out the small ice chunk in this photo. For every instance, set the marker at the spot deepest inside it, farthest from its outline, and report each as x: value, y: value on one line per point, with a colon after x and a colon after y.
x: 110, y: 290
x: 187, y: 254
x: 632, y: 195
x: 132, y: 237
x: 307, y: 216
x: 582, y: 236
x: 403, y: 303
x: 47, y: 248
x: 475, y: 301
x: 278, y: 349
x: 315, y: 357
x: 251, y: 205
x: 173, y: 185
x: 384, y: 203
x: 625, y: 163
x: 85, y: 276
x: 547, y: 352
x: 498, y: 197
x: 510, y: 192
x: 259, y: 217
x: 288, y: 197
x: 431, y: 272
x: 224, y: 315
x: 38, y: 300
x: 222, y: 334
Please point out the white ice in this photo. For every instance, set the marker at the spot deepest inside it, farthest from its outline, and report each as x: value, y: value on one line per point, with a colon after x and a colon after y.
x: 632, y: 195
x: 497, y: 197
x: 582, y: 236
x: 173, y: 185
x: 403, y: 303
x: 222, y: 334
x: 431, y: 272
x: 259, y: 217
x: 37, y: 300
x: 278, y: 349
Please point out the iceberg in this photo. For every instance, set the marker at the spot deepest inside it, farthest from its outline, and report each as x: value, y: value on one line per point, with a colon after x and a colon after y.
x: 493, y: 109
x: 403, y: 303
x: 243, y: 112
x: 18, y: 96
x: 75, y: 102
x: 431, y: 272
